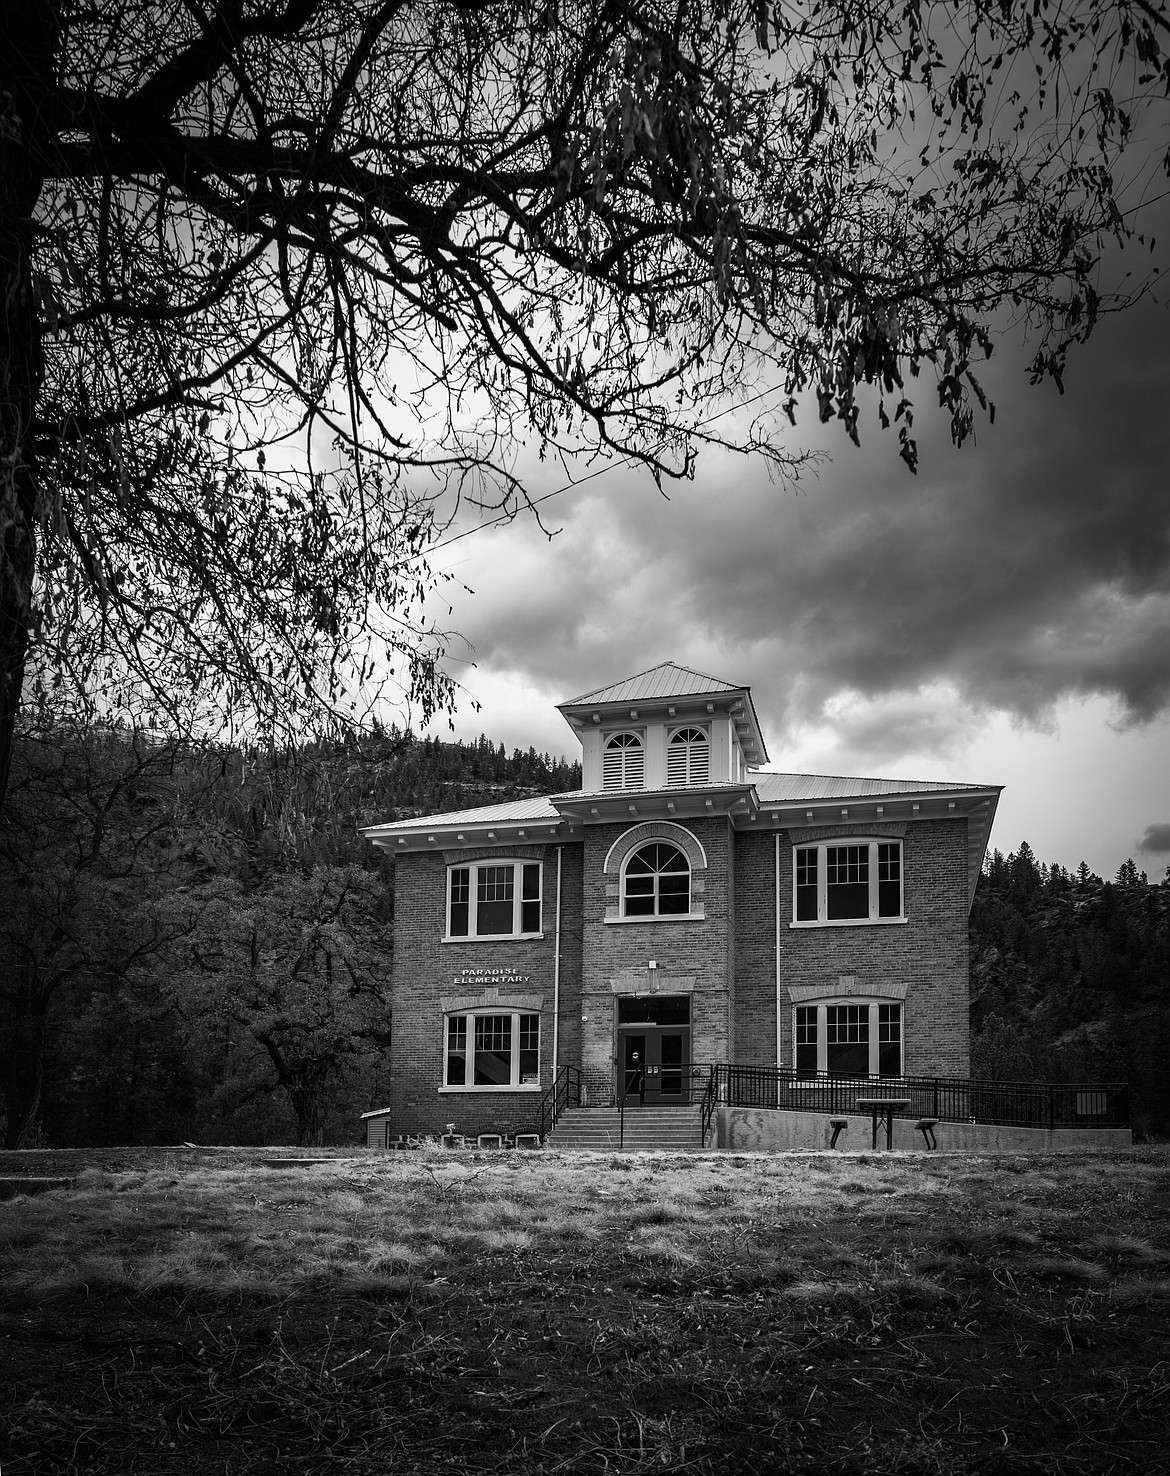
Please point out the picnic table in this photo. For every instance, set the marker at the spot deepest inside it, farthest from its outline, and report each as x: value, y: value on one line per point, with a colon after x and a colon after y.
x: 884, y: 1108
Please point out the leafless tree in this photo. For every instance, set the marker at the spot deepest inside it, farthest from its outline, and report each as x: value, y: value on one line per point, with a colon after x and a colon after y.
x: 283, y: 277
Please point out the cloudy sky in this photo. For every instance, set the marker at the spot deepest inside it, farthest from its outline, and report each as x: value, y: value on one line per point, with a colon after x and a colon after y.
x: 1002, y: 618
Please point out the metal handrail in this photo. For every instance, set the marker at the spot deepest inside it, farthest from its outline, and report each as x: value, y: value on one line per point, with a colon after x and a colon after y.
x: 565, y: 1084
x: 710, y: 1097
x: 689, y: 1072
x: 950, y: 1099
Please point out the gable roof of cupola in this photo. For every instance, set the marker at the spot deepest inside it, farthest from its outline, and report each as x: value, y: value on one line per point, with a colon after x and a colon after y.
x: 672, y: 683
x: 666, y: 680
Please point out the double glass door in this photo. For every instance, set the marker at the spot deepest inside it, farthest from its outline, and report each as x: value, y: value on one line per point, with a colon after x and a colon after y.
x: 654, y: 1054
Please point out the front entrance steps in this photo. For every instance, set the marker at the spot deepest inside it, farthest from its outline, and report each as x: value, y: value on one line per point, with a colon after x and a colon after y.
x: 599, y: 1129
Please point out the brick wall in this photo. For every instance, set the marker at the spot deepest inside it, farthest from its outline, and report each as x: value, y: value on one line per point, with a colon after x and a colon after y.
x: 927, y: 955
x: 733, y: 947
x: 692, y: 956
x: 426, y: 970
x: 754, y: 1019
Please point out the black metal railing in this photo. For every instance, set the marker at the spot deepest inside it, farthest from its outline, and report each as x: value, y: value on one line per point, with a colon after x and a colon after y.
x: 709, y: 1102
x: 661, y: 1086
x: 565, y: 1091
x: 670, y: 1086
x: 951, y: 1099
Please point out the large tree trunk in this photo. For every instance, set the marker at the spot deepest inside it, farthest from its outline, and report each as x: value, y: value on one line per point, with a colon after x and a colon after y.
x: 28, y: 42
x: 307, y: 1093
x: 24, y: 1074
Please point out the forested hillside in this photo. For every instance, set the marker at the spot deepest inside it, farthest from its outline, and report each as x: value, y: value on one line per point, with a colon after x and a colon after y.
x: 1070, y: 979
x: 195, y: 944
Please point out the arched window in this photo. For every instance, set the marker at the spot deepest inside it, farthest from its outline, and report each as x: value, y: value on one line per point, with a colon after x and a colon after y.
x: 687, y: 759
x: 656, y: 882
x: 622, y: 764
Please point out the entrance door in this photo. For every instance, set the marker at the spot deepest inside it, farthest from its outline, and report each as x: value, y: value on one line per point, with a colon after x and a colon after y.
x: 654, y: 1051
x: 633, y: 1067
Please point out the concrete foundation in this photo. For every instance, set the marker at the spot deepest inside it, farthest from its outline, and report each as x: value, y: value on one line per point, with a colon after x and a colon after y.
x: 748, y: 1129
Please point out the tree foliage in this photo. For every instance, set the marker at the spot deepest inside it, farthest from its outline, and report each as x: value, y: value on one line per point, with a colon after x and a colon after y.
x: 291, y: 978
x: 85, y: 857
x: 1070, y: 979
x: 286, y: 278
x: 194, y: 941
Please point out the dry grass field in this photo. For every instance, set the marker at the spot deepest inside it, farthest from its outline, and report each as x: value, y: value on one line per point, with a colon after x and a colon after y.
x: 202, y: 1313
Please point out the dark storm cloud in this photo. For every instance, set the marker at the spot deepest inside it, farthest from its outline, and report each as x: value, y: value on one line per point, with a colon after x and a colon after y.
x: 1156, y: 839
x: 1030, y: 567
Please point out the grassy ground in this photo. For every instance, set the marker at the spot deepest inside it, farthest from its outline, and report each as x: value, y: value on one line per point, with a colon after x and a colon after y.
x: 598, y: 1314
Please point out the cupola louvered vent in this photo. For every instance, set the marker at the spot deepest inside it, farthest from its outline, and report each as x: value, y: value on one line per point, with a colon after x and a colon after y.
x: 687, y: 757
x: 622, y: 764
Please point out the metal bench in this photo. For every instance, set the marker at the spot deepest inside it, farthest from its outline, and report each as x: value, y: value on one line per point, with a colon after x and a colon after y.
x: 926, y: 1126
x: 838, y: 1124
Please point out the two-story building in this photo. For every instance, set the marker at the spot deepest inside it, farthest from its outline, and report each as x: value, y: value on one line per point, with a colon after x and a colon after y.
x: 686, y: 906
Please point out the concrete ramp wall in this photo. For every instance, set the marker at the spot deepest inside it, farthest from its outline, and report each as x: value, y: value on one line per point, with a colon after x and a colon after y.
x: 748, y: 1129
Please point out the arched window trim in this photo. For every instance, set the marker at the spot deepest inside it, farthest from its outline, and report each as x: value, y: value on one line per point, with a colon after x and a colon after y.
x: 650, y: 830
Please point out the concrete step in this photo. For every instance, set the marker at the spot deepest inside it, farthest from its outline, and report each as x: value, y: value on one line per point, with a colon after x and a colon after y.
x: 599, y: 1129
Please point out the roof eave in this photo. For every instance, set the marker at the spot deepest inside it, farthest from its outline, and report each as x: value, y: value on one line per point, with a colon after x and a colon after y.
x: 729, y: 699
x: 444, y: 835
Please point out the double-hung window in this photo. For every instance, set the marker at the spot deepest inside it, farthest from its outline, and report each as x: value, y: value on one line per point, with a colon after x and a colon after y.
x: 494, y: 899
x: 499, y: 1050
x: 849, y: 1039
x: 852, y: 881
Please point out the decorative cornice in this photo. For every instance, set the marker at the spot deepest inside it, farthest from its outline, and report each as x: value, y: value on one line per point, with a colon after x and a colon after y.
x: 490, y: 999
x: 651, y: 981
x: 494, y: 853
x: 802, y: 835
x: 848, y: 987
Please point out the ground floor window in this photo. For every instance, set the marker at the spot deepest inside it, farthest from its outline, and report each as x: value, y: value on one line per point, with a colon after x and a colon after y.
x: 855, y: 1039
x: 492, y: 1050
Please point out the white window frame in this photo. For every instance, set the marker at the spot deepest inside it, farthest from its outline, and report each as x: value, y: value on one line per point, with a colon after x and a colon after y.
x: 626, y: 750
x: 656, y: 915
x: 822, y: 847
x: 470, y: 1016
x: 474, y: 868
x: 691, y: 752
x: 874, y: 1006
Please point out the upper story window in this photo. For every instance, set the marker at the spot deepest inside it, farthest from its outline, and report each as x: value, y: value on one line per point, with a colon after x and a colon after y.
x: 687, y: 757
x: 855, y: 881
x: 623, y: 762
x: 493, y: 899
x: 656, y: 882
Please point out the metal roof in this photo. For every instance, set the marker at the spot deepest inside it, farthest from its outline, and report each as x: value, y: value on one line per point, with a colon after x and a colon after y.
x: 771, y: 789
x: 774, y: 788
x: 667, y: 680
x: 538, y: 807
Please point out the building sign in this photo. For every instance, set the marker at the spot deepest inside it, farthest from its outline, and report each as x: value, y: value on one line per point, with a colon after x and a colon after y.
x: 495, y: 978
